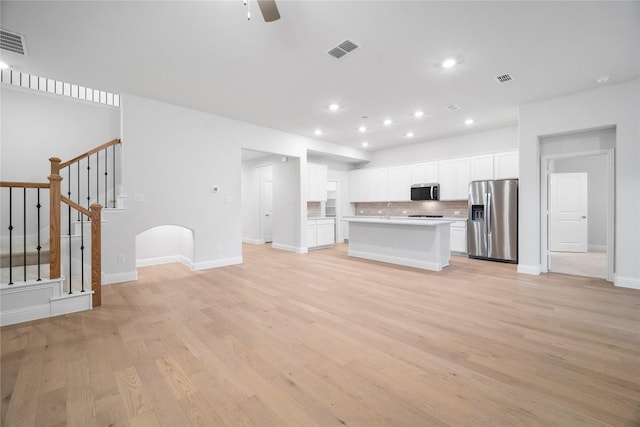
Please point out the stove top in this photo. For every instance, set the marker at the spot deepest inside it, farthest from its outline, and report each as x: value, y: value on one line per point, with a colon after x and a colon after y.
x: 425, y: 216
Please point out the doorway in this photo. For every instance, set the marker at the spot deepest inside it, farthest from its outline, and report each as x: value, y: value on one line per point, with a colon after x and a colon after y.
x: 579, y: 220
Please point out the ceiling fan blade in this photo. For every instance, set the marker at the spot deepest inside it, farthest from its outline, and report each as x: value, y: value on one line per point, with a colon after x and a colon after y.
x: 269, y: 10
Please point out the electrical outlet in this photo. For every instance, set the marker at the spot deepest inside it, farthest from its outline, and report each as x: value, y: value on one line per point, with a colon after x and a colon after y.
x: 456, y: 212
x: 379, y: 212
x: 361, y: 211
x: 404, y: 212
x: 214, y: 189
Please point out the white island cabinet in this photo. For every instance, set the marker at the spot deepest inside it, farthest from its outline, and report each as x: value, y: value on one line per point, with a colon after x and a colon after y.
x: 411, y: 242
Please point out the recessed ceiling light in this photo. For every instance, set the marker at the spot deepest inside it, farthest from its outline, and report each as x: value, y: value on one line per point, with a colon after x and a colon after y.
x: 334, y: 107
x: 468, y: 122
x: 365, y: 144
x: 318, y: 131
x: 603, y: 79
x: 409, y: 134
x: 388, y: 122
x: 362, y: 129
x: 3, y: 65
x: 418, y: 113
x: 448, y: 63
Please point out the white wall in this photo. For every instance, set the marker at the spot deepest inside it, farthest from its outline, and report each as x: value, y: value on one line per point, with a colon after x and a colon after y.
x: 491, y: 141
x: 598, y: 186
x: 163, y: 244
x: 288, y: 215
x: 37, y: 126
x: 610, y: 106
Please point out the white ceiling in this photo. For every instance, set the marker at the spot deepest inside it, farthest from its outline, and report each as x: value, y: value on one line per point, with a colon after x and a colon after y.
x: 206, y: 55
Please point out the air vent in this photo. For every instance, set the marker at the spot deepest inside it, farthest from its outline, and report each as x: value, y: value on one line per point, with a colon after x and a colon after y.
x: 342, y: 49
x: 454, y: 107
x: 13, y: 42
x: 504, y: 78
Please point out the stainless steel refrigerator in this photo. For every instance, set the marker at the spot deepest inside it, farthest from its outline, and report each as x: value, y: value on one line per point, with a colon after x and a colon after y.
x: 492, y: 229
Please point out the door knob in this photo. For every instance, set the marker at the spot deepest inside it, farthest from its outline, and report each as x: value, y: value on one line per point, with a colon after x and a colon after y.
x: 583, y: 217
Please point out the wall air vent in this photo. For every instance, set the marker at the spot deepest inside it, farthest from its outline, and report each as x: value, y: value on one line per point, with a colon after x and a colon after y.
x: 12, y: 42
x: 504, y: 78
x: 454, y: 107
x: 342, y: 49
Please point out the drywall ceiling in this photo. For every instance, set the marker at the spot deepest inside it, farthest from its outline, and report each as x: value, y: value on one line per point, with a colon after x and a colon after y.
x: 206, y: 55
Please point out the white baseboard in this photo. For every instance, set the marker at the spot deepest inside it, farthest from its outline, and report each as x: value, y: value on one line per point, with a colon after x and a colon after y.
x: 78, y: 301
x: 215, y: 263
x: 409, y: 262
x: 11, y: 317
x: 529, y: 269
x: 288, y: 248
x: 128, y: 276
x: 597, y: 248
x: 253, y: 241
x: 145, y: 262
x: 627, y: 282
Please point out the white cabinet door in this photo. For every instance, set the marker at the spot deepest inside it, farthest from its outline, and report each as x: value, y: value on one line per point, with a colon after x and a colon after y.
x: 506, y: 165
x: 424, y: 173
x: 462, y: 178
x: 378, y: 180
x: 482, y: 167
x: 325, y: 232
x: 459, y: 237
x: 400, y: 184
x: 312, y: 241
x: 447, y: 179
x: 359, y: 187
x: 317, y: 182
x: 455, y: 175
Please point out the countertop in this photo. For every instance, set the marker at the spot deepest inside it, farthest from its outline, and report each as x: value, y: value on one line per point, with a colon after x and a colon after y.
x: 399, y: 220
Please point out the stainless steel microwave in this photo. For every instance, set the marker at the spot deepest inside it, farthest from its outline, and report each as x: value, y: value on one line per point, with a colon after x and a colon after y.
x: 425, y: 191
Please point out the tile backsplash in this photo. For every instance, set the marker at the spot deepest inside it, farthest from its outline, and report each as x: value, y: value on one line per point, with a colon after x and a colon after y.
x: 314, y: 210
x: 452, y: 208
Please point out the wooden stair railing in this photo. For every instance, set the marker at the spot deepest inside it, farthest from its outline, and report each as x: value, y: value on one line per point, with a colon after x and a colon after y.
x: 93, y: 211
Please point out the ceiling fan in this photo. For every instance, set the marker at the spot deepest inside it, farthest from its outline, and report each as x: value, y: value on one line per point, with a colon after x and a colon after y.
x: 267, y: 7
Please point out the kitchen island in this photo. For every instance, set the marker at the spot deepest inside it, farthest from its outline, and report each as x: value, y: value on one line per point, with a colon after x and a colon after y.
x: 419, y: 243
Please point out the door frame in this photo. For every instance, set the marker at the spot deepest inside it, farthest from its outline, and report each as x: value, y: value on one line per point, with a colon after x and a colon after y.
x: 545, y: 161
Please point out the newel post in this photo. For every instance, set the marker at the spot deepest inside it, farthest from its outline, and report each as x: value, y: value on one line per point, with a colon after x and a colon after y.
x: 96, y: 257
x: 54, y: 218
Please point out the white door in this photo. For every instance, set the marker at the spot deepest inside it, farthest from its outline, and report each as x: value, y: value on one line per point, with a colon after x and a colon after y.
x: 568, y: 222
x: 266, y: 209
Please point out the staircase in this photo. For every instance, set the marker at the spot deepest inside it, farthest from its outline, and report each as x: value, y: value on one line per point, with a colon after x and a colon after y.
x: 50, y: 243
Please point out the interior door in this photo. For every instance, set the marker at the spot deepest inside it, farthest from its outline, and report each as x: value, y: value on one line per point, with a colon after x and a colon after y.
x: 568, y: 221
x: 266, y: 210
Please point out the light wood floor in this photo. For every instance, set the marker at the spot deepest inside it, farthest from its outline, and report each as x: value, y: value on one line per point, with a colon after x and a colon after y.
x: 323, y: 339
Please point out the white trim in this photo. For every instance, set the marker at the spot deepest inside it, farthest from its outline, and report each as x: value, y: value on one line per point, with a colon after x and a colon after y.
x: 20, y: 315
x: 627, y: 282
x: 145, y: 262
x: 72, y: 303
x: 529, y: 269
x: 253, y: 241
x: 214, y: 263
x: 127, y: 276
x: 597, y: 248
x: 409, y: 262
x: 289, y: 248
x: 544, y: 206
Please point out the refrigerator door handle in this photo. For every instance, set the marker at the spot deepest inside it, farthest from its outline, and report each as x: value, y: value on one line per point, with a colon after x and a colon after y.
x: 488, y: 213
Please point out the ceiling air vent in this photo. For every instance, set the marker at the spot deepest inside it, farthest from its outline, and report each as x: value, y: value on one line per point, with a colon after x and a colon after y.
x: 504, y: 78
x: 342, y: 49
x: 13, y: 42
x: 454, y: 107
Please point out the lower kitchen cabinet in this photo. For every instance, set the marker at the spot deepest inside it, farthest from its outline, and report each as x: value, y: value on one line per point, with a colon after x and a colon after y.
x: 320, y: 232
x: 459, y: 237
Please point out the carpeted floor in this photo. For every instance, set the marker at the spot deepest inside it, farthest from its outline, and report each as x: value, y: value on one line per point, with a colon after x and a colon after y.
x: 591, y: 264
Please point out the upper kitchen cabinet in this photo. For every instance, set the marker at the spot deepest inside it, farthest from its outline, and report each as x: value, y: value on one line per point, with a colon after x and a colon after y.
x: 454, y: 177
x: 400, y: 183
x: 482, y: 167
x: 317, y: 182
x: 370, y: 185
x: 424, y: 173
x: 505, y: 165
